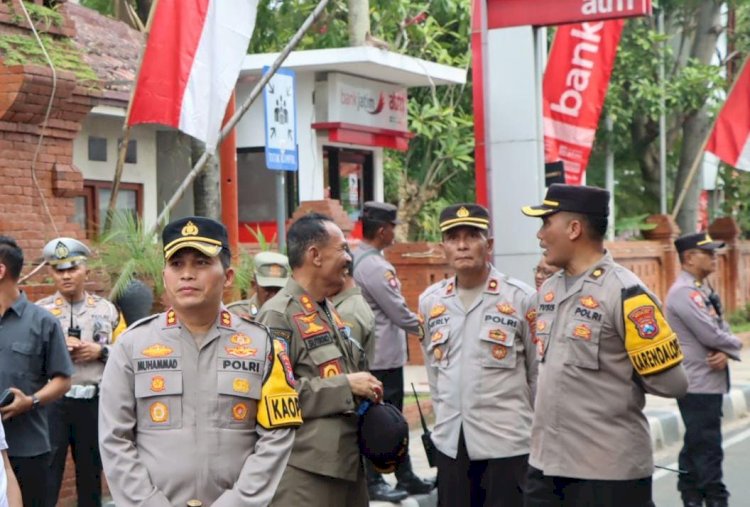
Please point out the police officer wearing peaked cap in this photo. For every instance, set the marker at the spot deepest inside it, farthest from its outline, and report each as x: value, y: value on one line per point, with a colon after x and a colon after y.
x: 91, y: 324
x: 270, y: 273
x: 200, y: 385
x: 694, y: 311
x: 602, y: 343
x: 479, y: 321
x: 381, y: 289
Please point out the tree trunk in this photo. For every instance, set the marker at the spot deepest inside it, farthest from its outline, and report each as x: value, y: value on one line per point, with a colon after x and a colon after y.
x: 695, y: 127
x: 358, y: 21
x: 206, y: 191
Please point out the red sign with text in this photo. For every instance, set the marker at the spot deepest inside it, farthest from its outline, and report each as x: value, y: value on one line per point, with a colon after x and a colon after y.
x: 505, y: 13
x: 574, y: 88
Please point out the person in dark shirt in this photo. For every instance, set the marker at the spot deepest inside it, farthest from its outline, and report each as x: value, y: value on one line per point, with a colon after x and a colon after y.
x: 36, y: 367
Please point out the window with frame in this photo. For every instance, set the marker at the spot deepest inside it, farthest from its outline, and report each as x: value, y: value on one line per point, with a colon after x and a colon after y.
x: 91, y: 205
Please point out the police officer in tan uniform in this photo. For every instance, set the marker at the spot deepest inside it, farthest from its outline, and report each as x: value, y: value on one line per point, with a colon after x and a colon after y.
x: 381, y: 289
x: 481, y: 365
x: 602, y: 343
x: 694, y: 311
x: 270, y: 273
x: 89, y: 323
x: 197, y: 404
x: 325, y: 468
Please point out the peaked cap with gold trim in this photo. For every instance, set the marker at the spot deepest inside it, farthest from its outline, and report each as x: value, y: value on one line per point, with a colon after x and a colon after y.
x: 464, y: 214
x: 573, y: 198
x: 204, y: 234
x: 699, y: 240
x: 65, y: 253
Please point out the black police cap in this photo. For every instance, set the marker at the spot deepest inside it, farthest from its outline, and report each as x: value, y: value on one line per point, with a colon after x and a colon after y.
x: 466, y: 214
x: 204, y: 234
x: 573, y: 198
x: 380, y: 212
x: 699, y: 240
x: 383, y: 435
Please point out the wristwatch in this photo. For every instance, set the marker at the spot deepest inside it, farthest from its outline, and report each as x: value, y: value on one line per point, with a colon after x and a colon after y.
x: 34, y: 402
x: 104, y: 354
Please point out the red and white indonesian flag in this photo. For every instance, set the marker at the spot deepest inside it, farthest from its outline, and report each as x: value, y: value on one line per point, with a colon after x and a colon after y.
x: 191, y: 64
x: 730, y: 139
x: 575, y: 86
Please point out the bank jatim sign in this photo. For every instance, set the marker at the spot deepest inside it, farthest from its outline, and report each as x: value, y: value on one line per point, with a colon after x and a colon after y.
x: 505, y: 13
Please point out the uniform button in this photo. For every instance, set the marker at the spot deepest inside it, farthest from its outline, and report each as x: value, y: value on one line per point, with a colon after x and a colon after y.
x: 348, y: 400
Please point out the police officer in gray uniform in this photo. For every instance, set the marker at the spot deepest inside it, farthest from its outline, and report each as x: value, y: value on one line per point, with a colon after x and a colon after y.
x: 602, y: 342
x: 694, y: 312
x: 197, y: 404
x: 270, y: 273
x: 381, y: 289
x: 89, y: 323
x: 481, y: 365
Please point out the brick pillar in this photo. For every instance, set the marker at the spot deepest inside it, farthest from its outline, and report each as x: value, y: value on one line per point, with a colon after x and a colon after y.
x: 729, y: 278
x: 665, y: 232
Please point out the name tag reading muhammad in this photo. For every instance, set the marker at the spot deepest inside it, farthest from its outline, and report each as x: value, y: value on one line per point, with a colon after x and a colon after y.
x: 241, y: 365
x: 157, y: 364
x: 283, y: 410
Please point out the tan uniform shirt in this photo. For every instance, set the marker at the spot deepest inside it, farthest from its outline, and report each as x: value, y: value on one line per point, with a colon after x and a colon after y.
x: 481, y: 365
x: 178, y: 421
x: 97, y: 318
x: 700, y: 330
x: 247, y: 308
x: 321, y: 355
x: 359, y: 319
x: 588, y: 420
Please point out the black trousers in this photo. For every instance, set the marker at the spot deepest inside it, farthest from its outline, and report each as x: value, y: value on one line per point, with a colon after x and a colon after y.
x: 74, y: 423
x: 701, y: 455
x: 549, y: 491
x: 480, y: 483
x: 31, y: 474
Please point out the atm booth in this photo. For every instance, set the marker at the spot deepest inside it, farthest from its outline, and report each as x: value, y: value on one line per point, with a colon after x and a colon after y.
x: 351, y: 104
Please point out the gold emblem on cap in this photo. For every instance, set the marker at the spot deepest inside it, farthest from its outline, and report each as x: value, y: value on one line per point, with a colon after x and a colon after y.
x: 61, y: 251
x: 190, y: 229
x: 462, y: 212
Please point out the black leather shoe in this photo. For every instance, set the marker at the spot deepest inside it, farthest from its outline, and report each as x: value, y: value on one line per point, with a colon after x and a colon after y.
x: 414, y: 485
x: 717, y: 502
x: 383, y: 492
x: 692, y: 503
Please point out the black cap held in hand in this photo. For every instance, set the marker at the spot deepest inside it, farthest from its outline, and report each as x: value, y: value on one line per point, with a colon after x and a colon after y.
x: 383, y: 435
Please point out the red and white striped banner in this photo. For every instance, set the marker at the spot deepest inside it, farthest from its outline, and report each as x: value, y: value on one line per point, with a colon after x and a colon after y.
x: 191, y: 64
x: 575, y: 86
x: 730, y: 139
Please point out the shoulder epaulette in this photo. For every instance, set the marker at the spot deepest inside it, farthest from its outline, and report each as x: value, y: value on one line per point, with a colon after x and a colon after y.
x: 519, y: 285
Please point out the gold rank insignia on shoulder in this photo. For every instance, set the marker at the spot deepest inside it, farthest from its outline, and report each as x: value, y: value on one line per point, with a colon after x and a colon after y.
x: 157, y: 350
x: 549, y: 297
x: 449, y: 289
x: 190, y: 229
x: 597, y: 273
x: 171, y: 317
x: 59, y: 301
x: 226, y: 318
x: 505, y: 308
x: 307, y: 303
x: 492, y: 285
x: 90, y: 301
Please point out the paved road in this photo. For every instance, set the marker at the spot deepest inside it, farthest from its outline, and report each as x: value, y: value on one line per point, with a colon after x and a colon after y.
x: 736, y: 466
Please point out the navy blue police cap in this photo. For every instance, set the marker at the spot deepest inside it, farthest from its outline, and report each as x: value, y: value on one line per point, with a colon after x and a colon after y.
x: 572, y: 198
x: 204, y: 234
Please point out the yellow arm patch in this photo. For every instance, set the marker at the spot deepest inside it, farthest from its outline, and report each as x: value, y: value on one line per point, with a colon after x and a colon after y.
x: 651, y: 344
x: 120, y: 327
x: 279, y: 402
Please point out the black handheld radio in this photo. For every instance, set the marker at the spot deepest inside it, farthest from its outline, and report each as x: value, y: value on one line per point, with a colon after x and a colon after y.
x: 73, y: 330
x: 429, y: 446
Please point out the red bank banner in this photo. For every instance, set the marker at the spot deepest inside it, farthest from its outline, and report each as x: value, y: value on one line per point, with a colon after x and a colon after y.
x: 505, y: 13
x: 575, y: 86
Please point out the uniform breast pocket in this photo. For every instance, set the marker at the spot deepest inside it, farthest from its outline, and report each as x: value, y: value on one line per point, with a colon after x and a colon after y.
x: 328, y: 359
x: 497, y: 347
x: 583, y: 344
x: 438, y: 349
x: 237, y: 400
x: 159, y: 399
x: 26, y: 357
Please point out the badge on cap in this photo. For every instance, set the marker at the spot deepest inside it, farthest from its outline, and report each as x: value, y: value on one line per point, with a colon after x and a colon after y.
x: 190, y: 229
x: 462, y: 212
x: 61, y: 251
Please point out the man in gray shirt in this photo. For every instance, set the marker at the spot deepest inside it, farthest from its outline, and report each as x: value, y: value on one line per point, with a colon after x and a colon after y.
x: 381, y: 289
x: 694, y: 312
x: 36, y: 367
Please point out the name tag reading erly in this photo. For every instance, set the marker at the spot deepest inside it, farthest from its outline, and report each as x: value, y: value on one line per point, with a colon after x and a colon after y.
x: 279, y: 401
x: 651, y: 344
